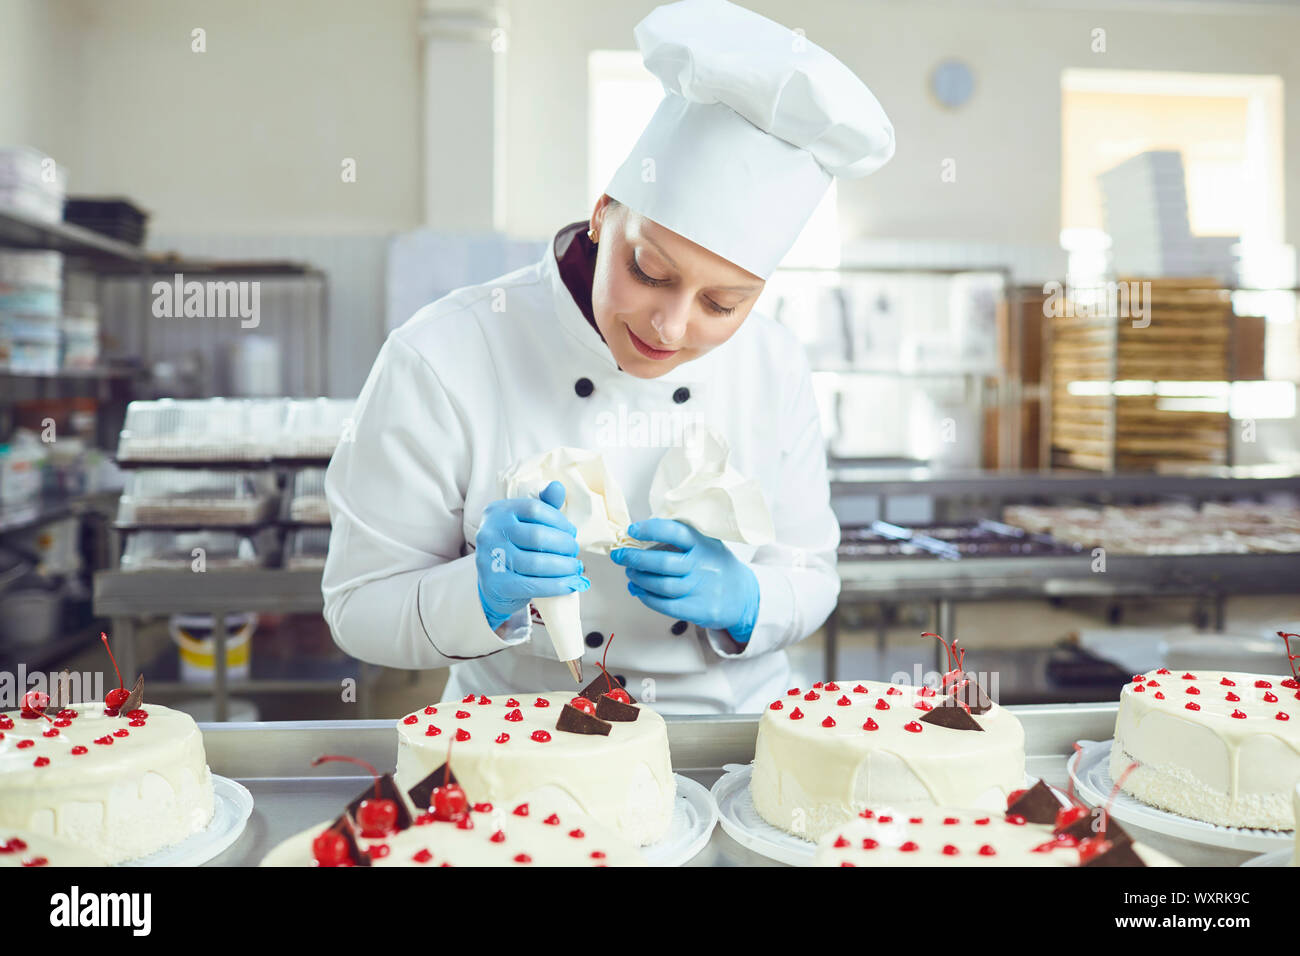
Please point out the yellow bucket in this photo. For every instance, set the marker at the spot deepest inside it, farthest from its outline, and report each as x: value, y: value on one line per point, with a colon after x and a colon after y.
x: 192, y: 634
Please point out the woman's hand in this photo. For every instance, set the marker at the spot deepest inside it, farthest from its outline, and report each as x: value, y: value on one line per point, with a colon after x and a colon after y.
x: 701, y: 581
x: 526, y: 548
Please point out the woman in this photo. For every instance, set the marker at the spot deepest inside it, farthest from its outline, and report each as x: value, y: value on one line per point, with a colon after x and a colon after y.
x: 640, y: 313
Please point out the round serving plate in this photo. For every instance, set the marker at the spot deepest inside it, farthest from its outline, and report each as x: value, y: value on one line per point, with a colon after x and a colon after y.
x: 232, y: 806
x: 1275, y: 858
x: 1191, y: 842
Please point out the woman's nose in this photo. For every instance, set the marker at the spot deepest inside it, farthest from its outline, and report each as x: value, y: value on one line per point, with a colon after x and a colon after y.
x: 670, y: 324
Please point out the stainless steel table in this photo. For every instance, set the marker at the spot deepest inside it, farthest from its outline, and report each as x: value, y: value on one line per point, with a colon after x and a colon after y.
x: 274, y: 761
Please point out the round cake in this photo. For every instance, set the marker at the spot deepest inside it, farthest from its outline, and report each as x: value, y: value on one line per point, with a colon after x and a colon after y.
x: 118, y: 784
x: 527, y: 834
x: 827, y: 753
x: 612, y: 765
x: 1218, y: 746
x: 21, y: 848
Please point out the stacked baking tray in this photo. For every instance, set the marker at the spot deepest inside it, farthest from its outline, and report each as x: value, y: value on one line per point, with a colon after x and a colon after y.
x: 951, y: 542
x: 306, y: 514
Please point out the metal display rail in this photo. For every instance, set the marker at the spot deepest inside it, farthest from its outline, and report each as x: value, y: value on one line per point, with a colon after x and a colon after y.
x: 273, y: 760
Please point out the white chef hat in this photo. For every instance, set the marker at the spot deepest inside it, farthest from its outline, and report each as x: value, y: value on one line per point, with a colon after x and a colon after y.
x: 755, y: 121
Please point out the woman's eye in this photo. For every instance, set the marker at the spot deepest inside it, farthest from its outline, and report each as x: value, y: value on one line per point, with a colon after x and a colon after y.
x: 641, y: 276
x: 714, y: 307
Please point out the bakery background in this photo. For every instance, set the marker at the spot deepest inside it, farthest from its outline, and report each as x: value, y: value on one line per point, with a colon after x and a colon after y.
x: 980, y: 448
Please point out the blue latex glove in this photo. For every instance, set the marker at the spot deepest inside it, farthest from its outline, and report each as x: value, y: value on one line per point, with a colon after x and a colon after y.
x: 701, y: 581
x: 526, y: 549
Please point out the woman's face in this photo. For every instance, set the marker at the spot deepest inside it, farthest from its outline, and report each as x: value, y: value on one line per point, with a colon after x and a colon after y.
x: 660, y: 299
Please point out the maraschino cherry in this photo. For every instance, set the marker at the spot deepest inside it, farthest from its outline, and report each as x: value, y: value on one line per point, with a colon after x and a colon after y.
x: 377, y: 817
x: 330, y: 849
x: 584, y: 705
x: 615, y: 692
x: 448, y: 802
x: 116, y: 697
x: 34, y: 704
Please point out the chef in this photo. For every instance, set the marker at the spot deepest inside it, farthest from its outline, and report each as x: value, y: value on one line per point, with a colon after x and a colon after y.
x: 635, y: 327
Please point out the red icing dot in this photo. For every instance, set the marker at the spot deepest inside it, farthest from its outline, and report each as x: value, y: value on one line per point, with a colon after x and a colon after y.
x: 41, y: 762
x: 885, y: 819
x: 515, y: 716
x: 1193, y: 690
x: 870, y: 725
x: 467, y: 699
x: 577, y: 834
x: 982, y: 822
x: 523, y: 858
x: 503, y: 737
x: 914, y: 820
x: 541, y: 736
x: 6, y: 723
x: 137, y: 723
x: 24, y: 744
x: 881, y: 704
x: 843, y: 701
x: 1231, y: 698
x: 1016, y: 819
x: 1163, y: 670
x: 512, y: 702
x: 483, y: 807
x: 36, y: 861
x: 462, y: 735
x: 1238, y: 714
x: 430, y: 710
x: 792, y: 692
x: 926, y: 691
x: 1189, y: 677
x: 432, y: 731
x: 908, y: 847
x: 867, y: 814
x: 67, y: 713
x: 776, y: 705
x: 541, y: 702
x: 462, y: 714
x: 1262, y: 683
x: 1193, y: 705
x: 465, y: 823
x: 861, y: 690
x: 423, y: 856
x: 484, y: 700
x: 1159, y: 696
x: 552, y: 820
x: 63, y: 722
x: 1152, y: 683
x: 893, y: 690
x: 912, y: 727
x: 1138, y: 678
x: 598, y: 854
x: 841, y: 843
x: 987, y: 850
x: 949, y: 850
x: 812, y: 695
x: 498, y: 837
x: 105, y: 740
x: 52, y: 732
x: 1282, y: 715
x: 922, y: 705
x: 78, y: 750
x: 950, y: 821
x: 410, y: 719
x: 121, y: 732
x: 828, y: 722
x: 831, y: 685
x: 818, y: 684
x: 796, y: 714
x: 521, y: 810
x: 1270, y: 697
x: 869, y: 844
x: 1139, y: 689
x: 1228, y: 683
x: 1291, y: 682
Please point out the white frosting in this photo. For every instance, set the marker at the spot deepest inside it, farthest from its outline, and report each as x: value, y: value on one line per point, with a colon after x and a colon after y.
x: 22, y: 848
x: 809, y: 778
x: 926, y: 834
x: 575, y: 840
x: 148, y: 789
x: 1205, y: 763
x: 624, y: 781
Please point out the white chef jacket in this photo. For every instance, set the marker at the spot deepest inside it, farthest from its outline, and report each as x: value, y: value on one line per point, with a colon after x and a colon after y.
x: 493, y: 373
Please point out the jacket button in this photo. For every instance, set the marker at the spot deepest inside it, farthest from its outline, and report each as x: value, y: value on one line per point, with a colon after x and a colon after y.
x: 622, y: 681
x: 595, y: 639
x: 583, y: 387
x: 679, y: 627
x: 681, y: 395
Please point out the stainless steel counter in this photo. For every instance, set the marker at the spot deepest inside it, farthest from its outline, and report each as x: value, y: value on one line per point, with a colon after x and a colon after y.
x: 274, y: 761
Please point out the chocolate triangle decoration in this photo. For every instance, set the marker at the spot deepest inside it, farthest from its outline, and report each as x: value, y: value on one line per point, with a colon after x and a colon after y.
x: 1119, y: 853
x: 1036, y: 805
x: 1081, y: 829
x: 949, y: 715
x: 607, y: 708
x: 601, y: 686
x: 355, y: 853
x: 135, y: 698
x: 574, y: 721
x: 972, y: 695
x: 388, y: 790
x: 422, y: 793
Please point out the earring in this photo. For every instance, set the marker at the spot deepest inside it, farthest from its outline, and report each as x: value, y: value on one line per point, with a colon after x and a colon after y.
x: 591, y: 234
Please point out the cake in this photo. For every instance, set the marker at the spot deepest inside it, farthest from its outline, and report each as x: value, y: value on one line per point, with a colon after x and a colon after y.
x: 611, y: 764
x: 827, y: 753
x: 434, y: 823
x: 117, y: 778
x: 1045, y: 833
x: 1217, y: 746
x: 23, y: 848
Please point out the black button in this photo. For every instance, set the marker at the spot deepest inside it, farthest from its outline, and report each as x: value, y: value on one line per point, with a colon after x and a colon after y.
x: 595, y: 639
x: 681, y: 395
x: 583, y: 387
x: 679, y: 627
x: 622, y: 681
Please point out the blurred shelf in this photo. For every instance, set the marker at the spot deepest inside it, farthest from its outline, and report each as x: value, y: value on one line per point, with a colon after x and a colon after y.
x: 267, y: 676
x: 99, y: 382
x: 21, y: 231
x: 265, y: 590
x: 39, y: 657
x: 28, y: 514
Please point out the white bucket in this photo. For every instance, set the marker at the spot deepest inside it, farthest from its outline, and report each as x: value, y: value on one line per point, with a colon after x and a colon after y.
x: 193, y: 636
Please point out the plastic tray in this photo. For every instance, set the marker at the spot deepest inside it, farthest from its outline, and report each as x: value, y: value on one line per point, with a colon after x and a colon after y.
x: 193, y: 498
x: 305, y: 501
x: 306, y: 548
x: 174, y: 550
x: 232, y: 806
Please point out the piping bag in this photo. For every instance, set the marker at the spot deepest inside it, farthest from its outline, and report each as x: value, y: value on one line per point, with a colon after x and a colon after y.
x: 693, y: 483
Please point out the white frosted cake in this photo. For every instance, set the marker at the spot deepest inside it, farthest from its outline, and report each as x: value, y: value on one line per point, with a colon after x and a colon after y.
x: 22, y: 848
x: 118, y: 785
x: 1218, y: 746
x: 827, y: 753
x: 510, y: 749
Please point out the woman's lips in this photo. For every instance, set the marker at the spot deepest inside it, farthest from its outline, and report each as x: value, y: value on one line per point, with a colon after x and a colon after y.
x: 657, y: 354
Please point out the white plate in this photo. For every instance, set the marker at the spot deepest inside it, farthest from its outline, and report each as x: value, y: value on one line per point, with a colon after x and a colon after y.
x: 1276, y: 858
x: 694, y: 816
x: 232, y: 806
x: 1090, y: 773
x: 741, y: 821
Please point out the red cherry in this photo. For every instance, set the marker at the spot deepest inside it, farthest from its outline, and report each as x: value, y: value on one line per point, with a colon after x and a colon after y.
x: 869, y: 844
x: 912, y: 727
x: 796, y: 714
x: 329, y: 849
x: 1015, y: 795
x: 422, y: 856
x: 1193, y: 705
x: 987, y: 850
x: 462, y: 735
x: 870, y: 725
x: 410, y: 719
x: 776, y: 705
x: 541, y: 736
x: 115, y: 698
x: 1231, y: 698
x: 861, y: 690
x: 881, y: 704
x: 618, y: 694
x: 949, y: 850
x: 35, y: 701
x: 541, y: 702
x: 1068, y: 816
x: 377, y: 818
x: 462, y: 714
x: 432, y: 731
x: 584, y: 705
x: 828, y: 722
x: 449, y: 803
x: 515, y: 716
x: 503, y: 737
x: 512, y: 702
